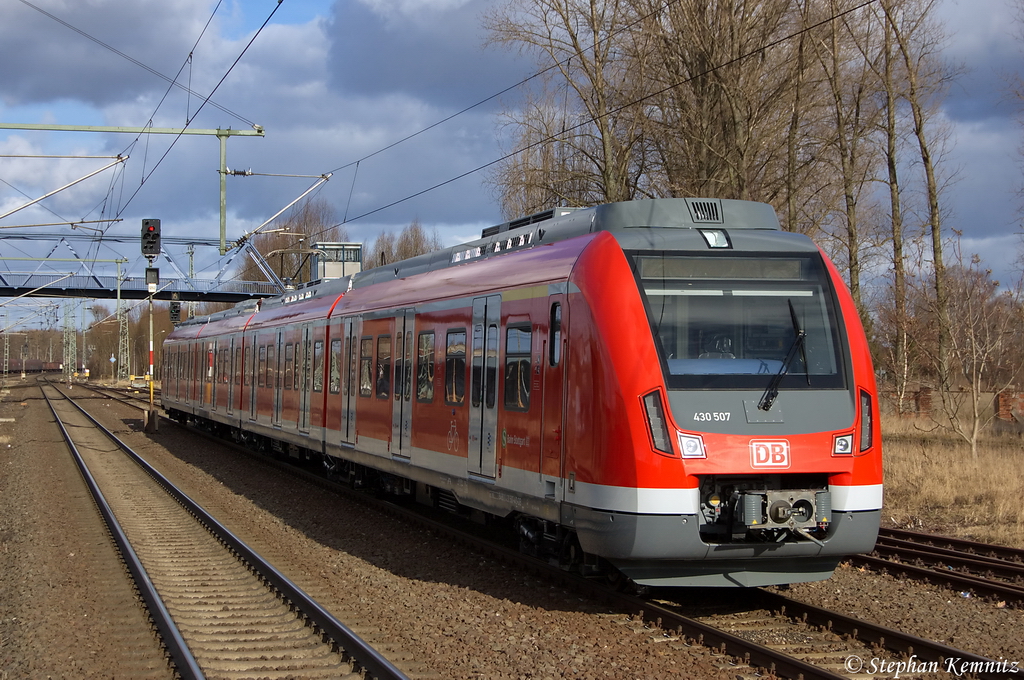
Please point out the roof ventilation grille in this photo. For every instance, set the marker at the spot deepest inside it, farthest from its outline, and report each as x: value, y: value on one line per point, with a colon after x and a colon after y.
x: 705, y: 210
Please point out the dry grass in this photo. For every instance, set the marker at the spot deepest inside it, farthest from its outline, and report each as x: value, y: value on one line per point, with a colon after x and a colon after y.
x: 932, y: 483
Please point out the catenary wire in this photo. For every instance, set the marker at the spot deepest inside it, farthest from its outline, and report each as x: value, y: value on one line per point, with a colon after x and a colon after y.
x: 138, y: 63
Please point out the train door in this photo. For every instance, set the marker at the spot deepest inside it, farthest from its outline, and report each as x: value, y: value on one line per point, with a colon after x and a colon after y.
x: 208, y: 374
x: 305, y: 378
x: 401, y: 414
x: 553, y: 414
x: 233, y: 369
x: 483, y: 415
x: 349, y: 386
x: 276, y: 359
x: 251, y: 378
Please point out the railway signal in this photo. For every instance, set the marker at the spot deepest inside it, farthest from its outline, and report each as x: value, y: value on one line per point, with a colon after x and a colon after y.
x: 150, y: 237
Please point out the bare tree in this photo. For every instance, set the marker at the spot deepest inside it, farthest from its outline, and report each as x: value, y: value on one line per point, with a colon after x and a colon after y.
x: 593, y: 147
x: 412, y: 241
x: 980, y: 354
x: 287, y: 245
x: 846, y: 51
x: 917, y: 40
x: 719, y: 101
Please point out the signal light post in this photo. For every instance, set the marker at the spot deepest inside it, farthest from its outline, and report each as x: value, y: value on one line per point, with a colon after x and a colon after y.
x: 150, y: 238
x: 151, y: 249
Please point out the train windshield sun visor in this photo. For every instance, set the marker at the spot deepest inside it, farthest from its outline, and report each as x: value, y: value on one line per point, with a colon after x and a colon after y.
x: 729, y: 321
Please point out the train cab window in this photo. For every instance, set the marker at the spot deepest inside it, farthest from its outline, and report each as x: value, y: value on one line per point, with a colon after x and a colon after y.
x: 425, y: 367
x: 555, y: 331
x: 382, y: 377
x: 261, y: 374
x: 730, y: 321
x: 366, y: 367
x: 518, y: 342
x: 334, y: 384
x: 318, y: 366
x: 289, y: 366
x: 455, y: 368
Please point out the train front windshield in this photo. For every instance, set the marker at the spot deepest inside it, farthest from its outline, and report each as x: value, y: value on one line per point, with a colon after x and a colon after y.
x: 733, y: 322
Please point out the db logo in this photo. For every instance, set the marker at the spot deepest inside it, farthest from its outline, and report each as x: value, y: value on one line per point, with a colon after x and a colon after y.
x: 769, y: 454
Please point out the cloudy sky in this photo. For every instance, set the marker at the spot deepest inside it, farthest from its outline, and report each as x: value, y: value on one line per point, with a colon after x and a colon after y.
x: 333, y: 83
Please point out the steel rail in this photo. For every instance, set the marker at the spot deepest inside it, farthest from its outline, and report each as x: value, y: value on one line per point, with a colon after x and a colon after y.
x: 978, y: 584
x: 184, y: 662
x: 883, y: 636
x: 349, y: 643
x: 944, y: 557
x: 987, y: 549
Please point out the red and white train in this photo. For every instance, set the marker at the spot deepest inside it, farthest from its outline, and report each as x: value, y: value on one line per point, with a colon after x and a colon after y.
x: 672, y: 389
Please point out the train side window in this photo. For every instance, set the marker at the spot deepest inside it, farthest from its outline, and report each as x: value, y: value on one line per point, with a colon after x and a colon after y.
x: 399, y: 365
x: 455, y: 368
x: 335, y: 381
x: 408, y: 365
x: 366, y: 367
x: 261, y: 375
x: 383, y: 376
x: 518, y: 344
x: 302, y: 357
x: 555, y: 331
x: 236, y: 365
x: 289, y: 366
x: 247, y: 365
x: 318, y: 366
x: 425, y: 368
x: 485, y: 365
x: 273, y: 379
x: 491, y: 366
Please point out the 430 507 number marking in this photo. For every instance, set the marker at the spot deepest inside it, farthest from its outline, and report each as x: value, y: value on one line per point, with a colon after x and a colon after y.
x: 711, y: 416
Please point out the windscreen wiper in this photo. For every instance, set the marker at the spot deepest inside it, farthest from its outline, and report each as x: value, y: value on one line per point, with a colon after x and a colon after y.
x: 799, y: 342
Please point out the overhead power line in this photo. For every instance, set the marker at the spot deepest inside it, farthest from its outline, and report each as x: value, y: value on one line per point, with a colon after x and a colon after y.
x: 135, y: 61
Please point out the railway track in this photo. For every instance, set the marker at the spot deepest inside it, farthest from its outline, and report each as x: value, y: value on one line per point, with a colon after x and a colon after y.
x: 755, y: 631
x: 130, y: 396
x: 973, y: 568
x: 220, y: 609
x: 769, y: 631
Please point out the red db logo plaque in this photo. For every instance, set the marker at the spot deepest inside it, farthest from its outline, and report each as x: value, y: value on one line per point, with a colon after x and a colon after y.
x: 769, y: 453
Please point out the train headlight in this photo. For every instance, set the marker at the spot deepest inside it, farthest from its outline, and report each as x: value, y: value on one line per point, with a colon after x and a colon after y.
x: 866, y: 418
x: 842, y: 445
x: 656, y: 423
x: 716, y: 238
x: 692, y: 446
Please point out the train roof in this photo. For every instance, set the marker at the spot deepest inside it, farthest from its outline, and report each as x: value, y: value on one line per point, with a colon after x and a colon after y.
x: 636, y: 224
x: 644, y: 224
